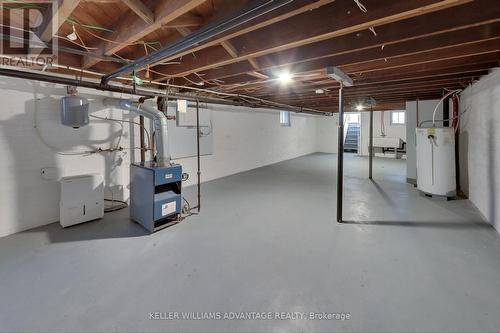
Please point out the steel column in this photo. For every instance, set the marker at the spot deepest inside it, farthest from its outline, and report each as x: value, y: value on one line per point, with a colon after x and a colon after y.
x: 370, y: 146
x: 340, y: 155
x: 198, y: 152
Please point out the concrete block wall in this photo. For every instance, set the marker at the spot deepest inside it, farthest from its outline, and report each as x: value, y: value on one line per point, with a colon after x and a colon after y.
x: 243, y: 139
x: 479, y: 145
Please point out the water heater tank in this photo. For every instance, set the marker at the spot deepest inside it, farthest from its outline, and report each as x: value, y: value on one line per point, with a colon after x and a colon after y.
x: 74, y: 111
x: 436, y: 161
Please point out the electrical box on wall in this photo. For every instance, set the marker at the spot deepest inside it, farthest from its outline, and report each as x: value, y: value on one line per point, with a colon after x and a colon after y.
x: 82, y: 199
x: 186, y: 115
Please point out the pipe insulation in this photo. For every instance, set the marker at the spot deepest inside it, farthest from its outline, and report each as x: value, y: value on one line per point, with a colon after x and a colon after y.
x: 159, y: 122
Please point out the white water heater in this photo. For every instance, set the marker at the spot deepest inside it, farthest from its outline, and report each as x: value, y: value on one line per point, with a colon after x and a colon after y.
x: 436, y: 161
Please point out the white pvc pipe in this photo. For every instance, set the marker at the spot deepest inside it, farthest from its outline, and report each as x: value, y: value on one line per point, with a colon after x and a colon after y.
x: 439, y: 103
x: 159, y: 121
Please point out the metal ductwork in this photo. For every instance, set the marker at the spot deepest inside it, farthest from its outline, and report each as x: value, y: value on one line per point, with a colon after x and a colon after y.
x: 159, y: 120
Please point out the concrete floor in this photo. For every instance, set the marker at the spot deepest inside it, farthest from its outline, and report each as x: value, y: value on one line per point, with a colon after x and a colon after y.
x: 266, y: 241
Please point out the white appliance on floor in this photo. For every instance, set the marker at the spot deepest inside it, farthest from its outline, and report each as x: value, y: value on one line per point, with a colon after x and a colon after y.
x: 436, y: 161
x: 82, y: 199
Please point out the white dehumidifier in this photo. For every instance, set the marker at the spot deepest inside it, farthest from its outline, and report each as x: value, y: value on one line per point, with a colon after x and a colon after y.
x: 82, y: 199
x: 436, y: 161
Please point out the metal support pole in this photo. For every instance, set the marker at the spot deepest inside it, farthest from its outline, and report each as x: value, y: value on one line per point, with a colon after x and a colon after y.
x: 370, y: 146
x: 198, y: 151
x: 340, y: 155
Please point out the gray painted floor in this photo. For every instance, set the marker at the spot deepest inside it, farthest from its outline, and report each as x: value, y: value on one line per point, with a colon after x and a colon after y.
x: 266, y: 241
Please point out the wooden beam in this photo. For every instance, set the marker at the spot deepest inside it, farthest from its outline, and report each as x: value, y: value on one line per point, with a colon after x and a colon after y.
x: 185, y: 20
x: 141, y: 10
x: 183, y: 31
x: 294, y: 8
x: 474, y: 66
x: 410, y: 68
x: 54, y: 22
x: 229, y: 48
x: 258, y: 75
x: 367, y: 90
x: 340, y: 22
x: 226, y: 44
x: 467, y: 50
x: 132, y: 29
x: 405, y: 37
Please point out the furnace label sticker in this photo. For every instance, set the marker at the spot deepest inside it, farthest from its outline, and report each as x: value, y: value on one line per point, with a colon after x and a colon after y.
x: 168, y: 208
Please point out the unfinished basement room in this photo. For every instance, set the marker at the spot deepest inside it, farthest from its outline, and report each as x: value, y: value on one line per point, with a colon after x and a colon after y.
x: 250, y: 166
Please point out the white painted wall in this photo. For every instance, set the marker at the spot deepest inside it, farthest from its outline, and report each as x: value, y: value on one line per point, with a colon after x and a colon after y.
x: 413, y: 118
x: 246, y: 139
x: 479, y: 146
x: 327, y: 131
x: 391, y: 131
x: 327, y: 134
x: 243, y: 139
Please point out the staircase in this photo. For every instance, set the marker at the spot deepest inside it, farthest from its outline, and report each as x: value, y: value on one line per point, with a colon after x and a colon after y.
x: 352, y: 138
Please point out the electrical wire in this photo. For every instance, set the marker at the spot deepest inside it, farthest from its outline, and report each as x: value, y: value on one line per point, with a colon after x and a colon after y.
x: 125, y: 121
x: 441, y: 101
x: 113, y: 207
x: 361, y: 6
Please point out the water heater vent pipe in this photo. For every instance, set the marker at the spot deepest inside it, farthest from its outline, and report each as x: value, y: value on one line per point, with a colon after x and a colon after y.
x: 159, y: 121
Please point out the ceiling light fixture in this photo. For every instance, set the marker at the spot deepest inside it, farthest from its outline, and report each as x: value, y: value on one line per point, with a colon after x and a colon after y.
x: 285, y: 77
x: 359, y: 107
x: 319, y: 91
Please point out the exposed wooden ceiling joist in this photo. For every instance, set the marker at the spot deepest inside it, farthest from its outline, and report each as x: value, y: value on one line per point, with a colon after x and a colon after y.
x: 407, y: 37
x: 141, y: 10
x: 417, y: 48
x: 340, y: 22
x: 52, y: 23
x: 132, y: 29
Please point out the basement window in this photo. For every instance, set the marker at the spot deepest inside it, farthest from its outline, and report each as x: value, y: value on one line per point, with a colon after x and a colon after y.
x: 285, y: 119
x: 397, y: 118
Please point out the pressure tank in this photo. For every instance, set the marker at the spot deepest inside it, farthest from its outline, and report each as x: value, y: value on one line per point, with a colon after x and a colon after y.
x: 74, y: 111
x: 436, y: 161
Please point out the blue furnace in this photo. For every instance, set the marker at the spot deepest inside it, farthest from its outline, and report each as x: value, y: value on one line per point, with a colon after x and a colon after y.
x: 155, y: 194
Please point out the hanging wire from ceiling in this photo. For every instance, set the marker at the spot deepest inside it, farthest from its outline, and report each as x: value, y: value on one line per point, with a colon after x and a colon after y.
x: 361, y: 6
